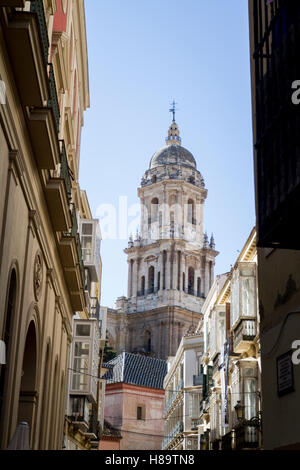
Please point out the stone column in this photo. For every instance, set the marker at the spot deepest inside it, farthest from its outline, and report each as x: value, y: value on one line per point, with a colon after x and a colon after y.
x: 130, y: 269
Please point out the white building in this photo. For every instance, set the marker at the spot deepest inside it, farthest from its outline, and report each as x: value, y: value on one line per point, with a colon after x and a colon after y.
x: 183, y: 386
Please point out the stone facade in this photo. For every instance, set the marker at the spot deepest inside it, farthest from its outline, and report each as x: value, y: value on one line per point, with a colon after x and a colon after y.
x: 170, y: 262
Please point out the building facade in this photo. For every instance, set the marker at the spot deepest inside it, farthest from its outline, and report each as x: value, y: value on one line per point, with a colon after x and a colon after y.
x: 183, y: 394
x: 134, y: 402
x: 230, y: 413
x: 170, y: 262
x: 44, y: 92
x: 85, y: 400
x: 275, y: 71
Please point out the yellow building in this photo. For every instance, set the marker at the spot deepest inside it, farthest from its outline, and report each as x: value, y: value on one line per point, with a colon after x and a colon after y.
x: 44, y: 92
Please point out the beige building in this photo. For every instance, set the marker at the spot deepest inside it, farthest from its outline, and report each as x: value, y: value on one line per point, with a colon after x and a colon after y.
x: 43, y: 68
x: 170, y: 262
x: 85, y: 401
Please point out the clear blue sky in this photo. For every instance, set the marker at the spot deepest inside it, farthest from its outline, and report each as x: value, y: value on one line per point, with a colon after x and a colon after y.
x: 142, y: 55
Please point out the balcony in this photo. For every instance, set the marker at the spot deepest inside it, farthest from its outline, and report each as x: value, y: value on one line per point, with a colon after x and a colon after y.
x: 90, y: 240
x: 71, y: 258
x: 228, y: 441
x: 85, y: 359
x: 58, y: 192
x: 175, y: 432
x: 247, y: 436
x: 244, y: 333
x: 173, y: 396
x: 27, y: 41
x: 95, y: 308
x: 79, y: 412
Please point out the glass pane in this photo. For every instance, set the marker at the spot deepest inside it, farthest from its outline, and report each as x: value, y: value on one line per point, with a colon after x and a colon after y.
x: 87, y: 229
x: 250, y: 398
x: 83, y: 330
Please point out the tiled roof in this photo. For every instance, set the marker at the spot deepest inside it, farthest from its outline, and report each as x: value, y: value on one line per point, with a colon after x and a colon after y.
x: 136, y: 369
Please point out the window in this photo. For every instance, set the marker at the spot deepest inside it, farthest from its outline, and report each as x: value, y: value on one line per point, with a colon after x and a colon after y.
x: 81, y: 366
x: 250, y: 397
x: 191, y: 212
x: 83, y: 330
x: 154, y: 210
x: 151, y: 279
x: 191, y: 281
x: 87, y: 241
x: 143, y: 285
x: 140, y: 413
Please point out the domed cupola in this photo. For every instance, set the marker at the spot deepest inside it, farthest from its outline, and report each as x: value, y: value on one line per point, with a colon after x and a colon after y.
x: 173, y: 153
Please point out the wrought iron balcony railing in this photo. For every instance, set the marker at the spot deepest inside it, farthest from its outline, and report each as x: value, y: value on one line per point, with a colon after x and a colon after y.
x: 53, y: 102
x: 177, y: 429
x: 65, y: 172
x: 37, y: 6
x: 245, y: 331
x: 173, y: 396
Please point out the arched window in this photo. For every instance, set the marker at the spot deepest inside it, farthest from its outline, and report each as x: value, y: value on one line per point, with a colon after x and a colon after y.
x: 154, y: 210
x: 164, y: 268
x: 147, y: 341
x: 29, y: 379
x: 191, y: 212
x: 191, y: 281
x: 143, y: 285
x: 10, y: 308
x: 151, y: 279
x: 199, y: 287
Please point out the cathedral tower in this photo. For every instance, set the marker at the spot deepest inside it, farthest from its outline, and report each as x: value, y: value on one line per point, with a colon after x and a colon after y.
x: 170, y: 261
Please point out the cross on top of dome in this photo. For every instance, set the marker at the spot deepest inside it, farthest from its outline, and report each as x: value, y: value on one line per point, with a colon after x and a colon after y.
x: 173, y: 133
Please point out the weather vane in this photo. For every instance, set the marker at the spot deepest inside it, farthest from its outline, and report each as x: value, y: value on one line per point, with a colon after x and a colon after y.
x: 173, y: 109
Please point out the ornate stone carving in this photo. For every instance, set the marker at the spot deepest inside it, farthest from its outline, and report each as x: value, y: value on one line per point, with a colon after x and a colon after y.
x: 38, y: 276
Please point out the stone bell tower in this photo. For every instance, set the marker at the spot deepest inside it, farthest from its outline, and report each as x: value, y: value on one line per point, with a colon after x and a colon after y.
x: 170, y: 261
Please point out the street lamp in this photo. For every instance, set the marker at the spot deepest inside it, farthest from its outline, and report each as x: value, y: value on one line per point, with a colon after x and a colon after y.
x: 239, y: 409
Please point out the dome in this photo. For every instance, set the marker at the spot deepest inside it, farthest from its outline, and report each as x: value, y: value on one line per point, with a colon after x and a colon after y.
x: 173, y: 154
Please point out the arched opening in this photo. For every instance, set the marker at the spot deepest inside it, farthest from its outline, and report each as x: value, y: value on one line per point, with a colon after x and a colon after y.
x: 191, y: 212
x: 7, y: 333
x: 199, y: 287
x: 172, y: 224
x: 154, y: 210
x: 147, y: 341
x: 164, y: 268
x: 28, y: 392
x: 210, y: 274
x: 151, y: 280
x: 191, y: 281
x: 45, y: 397
x: 158, y: 281
x: 143, y: 285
